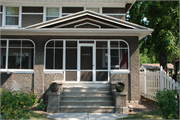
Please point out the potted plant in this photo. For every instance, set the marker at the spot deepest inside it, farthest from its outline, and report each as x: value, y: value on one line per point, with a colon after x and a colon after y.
x: 54, y: 87
x: 120, y: 86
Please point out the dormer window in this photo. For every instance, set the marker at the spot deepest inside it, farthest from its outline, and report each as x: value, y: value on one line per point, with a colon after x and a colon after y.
x: 52, y: 12
x: 12, y: 16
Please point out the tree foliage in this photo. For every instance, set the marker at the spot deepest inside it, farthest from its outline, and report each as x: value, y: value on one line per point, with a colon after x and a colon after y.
x: 163, y: 17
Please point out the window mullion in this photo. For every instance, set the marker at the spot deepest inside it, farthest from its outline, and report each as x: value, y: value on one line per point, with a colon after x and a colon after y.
x: 21, y: 56
x: 7, y: 53
x: 54, y: 57
x: 119, y: 52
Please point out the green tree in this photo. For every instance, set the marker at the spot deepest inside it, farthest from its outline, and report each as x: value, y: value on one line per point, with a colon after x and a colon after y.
x: 163, y: 17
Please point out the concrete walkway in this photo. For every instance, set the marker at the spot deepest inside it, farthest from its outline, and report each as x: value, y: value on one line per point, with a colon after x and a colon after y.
x: 86, y: 116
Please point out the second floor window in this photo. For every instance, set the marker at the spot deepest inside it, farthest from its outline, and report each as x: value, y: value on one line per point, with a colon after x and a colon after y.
x: 12, y: 15
x: 51, y: 13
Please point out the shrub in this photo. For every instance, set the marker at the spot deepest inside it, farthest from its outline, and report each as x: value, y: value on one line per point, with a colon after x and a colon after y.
x: 16, y: 104
x: 167, y: 103
x: 41, y: 105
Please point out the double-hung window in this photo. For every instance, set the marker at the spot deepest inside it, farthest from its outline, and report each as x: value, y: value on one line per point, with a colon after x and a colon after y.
x: 52, y: 12
x: 12, y: 16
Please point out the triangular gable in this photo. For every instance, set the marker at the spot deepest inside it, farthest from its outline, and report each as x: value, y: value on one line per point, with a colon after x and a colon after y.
x: 87, y: 16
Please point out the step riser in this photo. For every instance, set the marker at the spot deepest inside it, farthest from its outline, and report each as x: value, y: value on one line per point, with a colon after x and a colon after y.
x: 85, y: 94
x: 86, y: 103
x: 85, y: 110
x: 85, y: 90
x: 86, y: 98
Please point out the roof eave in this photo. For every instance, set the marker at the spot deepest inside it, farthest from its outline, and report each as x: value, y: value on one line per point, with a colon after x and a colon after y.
x: 78, y: 32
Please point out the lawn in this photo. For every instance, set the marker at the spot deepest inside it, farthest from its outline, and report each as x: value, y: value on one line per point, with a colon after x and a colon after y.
x: 144, y: 115
x: 33, y: 115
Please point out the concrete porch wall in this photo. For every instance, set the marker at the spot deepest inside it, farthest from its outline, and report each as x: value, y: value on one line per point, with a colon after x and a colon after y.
x: 39, y: 81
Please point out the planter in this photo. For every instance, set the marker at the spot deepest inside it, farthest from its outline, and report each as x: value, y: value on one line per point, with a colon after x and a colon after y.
x: 54, y: 87
x: 120, y: 86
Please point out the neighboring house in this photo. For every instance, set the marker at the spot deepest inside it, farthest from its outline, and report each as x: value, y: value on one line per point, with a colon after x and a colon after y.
x: 74, y: 41
x: 177, y: 71
x: 156, y: 67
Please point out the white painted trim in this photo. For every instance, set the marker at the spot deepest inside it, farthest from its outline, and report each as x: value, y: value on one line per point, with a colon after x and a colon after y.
x: 32, y: 13
x: 9, y: 71
x: 53, y: 71
x: 87, y: 23
x: 19, y: 16
x: 53, y: 6
x: 120, y: 71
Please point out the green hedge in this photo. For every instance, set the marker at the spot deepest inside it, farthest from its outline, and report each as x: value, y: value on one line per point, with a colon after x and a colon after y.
x: 16, y: 104
x: 168, y: 103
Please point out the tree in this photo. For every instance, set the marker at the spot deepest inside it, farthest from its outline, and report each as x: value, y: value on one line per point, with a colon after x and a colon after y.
x: 163, y: 17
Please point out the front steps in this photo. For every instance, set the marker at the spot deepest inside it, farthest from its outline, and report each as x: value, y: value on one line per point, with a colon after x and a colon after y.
x: 92, y: 98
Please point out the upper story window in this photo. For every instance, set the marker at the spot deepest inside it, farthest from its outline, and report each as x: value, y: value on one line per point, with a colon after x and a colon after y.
x: 17, y: 54
x: 95, y: 9
x: 52, y: 12
x: 12, y: 16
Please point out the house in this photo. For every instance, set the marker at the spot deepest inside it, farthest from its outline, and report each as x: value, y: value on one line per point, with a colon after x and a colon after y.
x: 156, y: 67
x: 77, y: 42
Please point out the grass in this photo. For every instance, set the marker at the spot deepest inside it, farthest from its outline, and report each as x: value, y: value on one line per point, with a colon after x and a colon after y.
x: 144, y: 115
x: 32, y: 115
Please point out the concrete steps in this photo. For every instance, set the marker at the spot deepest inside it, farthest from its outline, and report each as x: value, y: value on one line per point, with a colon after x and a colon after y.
x: 86, y: 98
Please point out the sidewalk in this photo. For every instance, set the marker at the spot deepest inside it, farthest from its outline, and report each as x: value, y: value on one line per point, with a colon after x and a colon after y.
x: 85, y: 116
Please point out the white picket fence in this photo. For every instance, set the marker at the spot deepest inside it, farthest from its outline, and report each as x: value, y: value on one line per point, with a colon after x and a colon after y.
x: 151, y: 82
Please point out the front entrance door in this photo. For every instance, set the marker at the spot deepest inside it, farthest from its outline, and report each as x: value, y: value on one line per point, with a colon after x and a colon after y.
x: 86, y: 63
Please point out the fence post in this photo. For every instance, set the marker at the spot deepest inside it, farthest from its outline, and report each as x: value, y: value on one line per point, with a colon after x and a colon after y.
x: 161, y: 78
x: 145, y: 82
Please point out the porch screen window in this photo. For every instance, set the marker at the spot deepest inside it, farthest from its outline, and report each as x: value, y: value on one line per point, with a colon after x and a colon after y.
x: 51, y: 13
x: 119, y: 55
x: 20, y: 54
x: 54, y: 55
x: 12, y: 15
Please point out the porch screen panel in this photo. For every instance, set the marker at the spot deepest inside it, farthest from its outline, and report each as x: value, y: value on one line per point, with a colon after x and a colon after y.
x: 101, y: 55
x: 71, y: 58
x: 49, y: 58
x: 27, y: 58
x: 86, y: 76
x: 102, y: 76
x: 71, y: 55
x: 54, y: 54
x: 119, y: 55
x: 3, y: 53
x: 86, y: 58
x: 71, y: 75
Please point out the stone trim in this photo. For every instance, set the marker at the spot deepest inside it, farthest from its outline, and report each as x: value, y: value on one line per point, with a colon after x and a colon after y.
x: 120, y: 101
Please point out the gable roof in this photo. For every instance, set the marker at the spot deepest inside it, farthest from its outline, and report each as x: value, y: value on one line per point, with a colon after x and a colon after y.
x: 90, y: 16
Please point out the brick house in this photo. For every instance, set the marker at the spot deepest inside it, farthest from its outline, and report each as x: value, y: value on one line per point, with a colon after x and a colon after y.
x: 77, y: 42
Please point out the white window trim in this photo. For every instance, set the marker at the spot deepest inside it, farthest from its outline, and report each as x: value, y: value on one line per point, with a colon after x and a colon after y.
x: 9, y: 71
x: 53, y: 6
x: 4, y: 16
x: 93, y: 6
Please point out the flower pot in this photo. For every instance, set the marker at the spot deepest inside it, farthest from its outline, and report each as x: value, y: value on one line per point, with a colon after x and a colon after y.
x: 120, y: 86
x: 54, y: 87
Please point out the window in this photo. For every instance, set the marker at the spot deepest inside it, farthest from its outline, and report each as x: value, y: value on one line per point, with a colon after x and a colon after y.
x: 12, y: 16
x: 54, y: 55
x: 119, y: 55
x: 93, y: 9
x: 52, y: 12
x: 17, y: 54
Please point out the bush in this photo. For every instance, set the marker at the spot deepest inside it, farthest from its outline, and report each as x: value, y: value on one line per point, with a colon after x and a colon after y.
x: 168, y: 103
x: 41, y: 105
x: 16, y: 104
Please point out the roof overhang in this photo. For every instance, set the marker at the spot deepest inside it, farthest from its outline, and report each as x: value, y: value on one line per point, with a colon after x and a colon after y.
x: 141, y: 33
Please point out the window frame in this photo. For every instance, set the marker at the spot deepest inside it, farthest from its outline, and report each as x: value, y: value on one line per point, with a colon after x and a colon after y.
x: 19, y: 16
x: 45, y: 11
x: 9, y: 71
x: 94, y: 6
